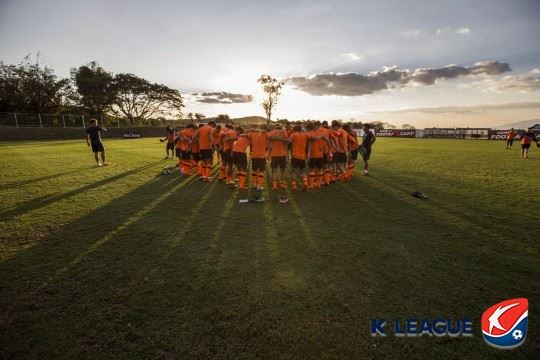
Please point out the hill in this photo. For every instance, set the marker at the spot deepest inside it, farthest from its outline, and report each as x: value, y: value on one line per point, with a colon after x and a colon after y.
x: 519, y: 124
x: 250, y: 120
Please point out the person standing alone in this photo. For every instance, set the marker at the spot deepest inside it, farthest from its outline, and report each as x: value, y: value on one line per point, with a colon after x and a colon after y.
x: 93, y: 139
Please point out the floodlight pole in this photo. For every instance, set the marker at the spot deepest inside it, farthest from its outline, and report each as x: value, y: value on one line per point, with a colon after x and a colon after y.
x: 83, y: 125
x: 40, y: 122
x: 64, y: 120
x: 16, y: 121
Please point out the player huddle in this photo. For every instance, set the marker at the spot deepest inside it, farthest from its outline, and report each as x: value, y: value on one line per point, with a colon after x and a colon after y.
x: 308, y: 157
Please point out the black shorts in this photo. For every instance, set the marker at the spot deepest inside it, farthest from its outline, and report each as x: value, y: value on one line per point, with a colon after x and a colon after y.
x: 206, y: 154
x: 240, y: 159
x: 354, y: 154
x: 226, y: 157
x: 170, y: 146
x: 186, y: 155
x: 340, y: 157
x: 298, y: 163
x: 523, y: 146
x: 178, y: 153
x: 315, y: 163
x: 97, y: 146
x: 326, y: 159
x: 258, y: 164
x: 196, y: 156
x: 366, y: 153
x: 278, y: 161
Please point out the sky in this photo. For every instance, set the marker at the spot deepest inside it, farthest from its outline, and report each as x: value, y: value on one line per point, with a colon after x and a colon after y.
x: 426, y: 63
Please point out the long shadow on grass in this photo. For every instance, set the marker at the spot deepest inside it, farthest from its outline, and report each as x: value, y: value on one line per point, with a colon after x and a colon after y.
x: 43, y: 201
x: 16, y: 184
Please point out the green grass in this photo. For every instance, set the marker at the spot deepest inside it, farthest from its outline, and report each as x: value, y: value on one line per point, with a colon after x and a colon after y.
x: 123, y: 262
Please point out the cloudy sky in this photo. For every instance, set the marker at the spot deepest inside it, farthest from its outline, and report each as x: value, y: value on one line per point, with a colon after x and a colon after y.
x: 430, y: 63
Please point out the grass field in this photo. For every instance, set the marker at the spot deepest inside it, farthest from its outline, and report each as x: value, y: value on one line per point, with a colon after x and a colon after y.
x: 123, y: 262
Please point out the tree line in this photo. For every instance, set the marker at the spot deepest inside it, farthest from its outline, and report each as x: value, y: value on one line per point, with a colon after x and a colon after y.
x: 34, y: 88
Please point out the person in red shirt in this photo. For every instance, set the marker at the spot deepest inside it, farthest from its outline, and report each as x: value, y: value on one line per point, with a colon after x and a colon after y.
x: 299, y: 142
x: 204, y: 137
x: 240, y: 158
x: 526, y: 139
x: 259, y: 144
x: 277, y: 152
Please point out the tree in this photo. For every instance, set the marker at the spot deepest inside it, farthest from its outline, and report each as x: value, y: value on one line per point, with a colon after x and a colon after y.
x: 378, y: 125
x: 390, y: 126
x: 31, y: 87
x: 223, y: 118
x: 190, y: 116
x: 137, y: 98
x: 272, y: 87
x: 407, y: 126
x: 95, y: 87
x: 199, y: 116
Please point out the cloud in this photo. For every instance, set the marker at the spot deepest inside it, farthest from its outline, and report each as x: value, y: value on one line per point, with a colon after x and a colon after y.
x: 468, y: 109
x: 447, y: 30
x: 221, y: 97
x: 355, y: 84
x: 524, y: 83
x: 352, y: 56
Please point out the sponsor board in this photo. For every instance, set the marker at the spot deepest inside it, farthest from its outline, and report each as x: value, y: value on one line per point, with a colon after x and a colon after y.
x: 131, y: 135
x: 500, y: 135
x: 396, y: 133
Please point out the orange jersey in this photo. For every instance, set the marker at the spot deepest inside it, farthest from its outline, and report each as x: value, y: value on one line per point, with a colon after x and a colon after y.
x: 205, y: 135
x: 227, y: 145
x: 241, y: 144
x: 317, y: 146
x: 279, y: 148
x: 341, y: 140
x: 217, y: 138
x: 352, y: 140
x: 259, y: 144
x: 194, y: 145
x: 330, y: 135
x: 299, y: 145
x: 511, y: 135
x: 184, y: 143
x: 326, y: 133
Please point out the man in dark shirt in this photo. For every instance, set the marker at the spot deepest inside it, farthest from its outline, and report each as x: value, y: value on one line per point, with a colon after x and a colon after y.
x: 365, y: 149
x: 93, y: 138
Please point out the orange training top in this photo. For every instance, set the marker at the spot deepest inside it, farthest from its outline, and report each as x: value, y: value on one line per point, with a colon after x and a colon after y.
x: 279, y: 149
x: 317, y: 146
x: 299, y: 145
x: 205, y: 134
x: 241, y: 144
x: 184, y: 144
x: 259, y: 144
x: 217, y: 138
x: 341, y: 140
x: 194, y: 145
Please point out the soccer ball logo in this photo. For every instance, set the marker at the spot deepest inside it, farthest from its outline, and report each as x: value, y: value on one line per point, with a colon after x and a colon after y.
x: 517, y: 334
x: 504, y: 325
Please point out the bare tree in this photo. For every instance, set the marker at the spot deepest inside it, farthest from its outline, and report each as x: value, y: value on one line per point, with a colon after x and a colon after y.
x: 223, y: 118
x: 407, y: 126
x: 272, y: 87
x: 199, y: 116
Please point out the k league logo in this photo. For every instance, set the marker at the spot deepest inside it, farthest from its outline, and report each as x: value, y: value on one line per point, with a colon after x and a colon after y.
x: 504, y: 325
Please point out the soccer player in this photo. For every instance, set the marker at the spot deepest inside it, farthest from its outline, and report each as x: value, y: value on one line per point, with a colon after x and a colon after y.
x: 217, y: 142
x: 259, y: 144
x: 315, y: 157
x: 526, y: 139
x: 510, y: 138
x: 277, y: 151
x: 352, y: 143
x: 183, y: 148
x: 299, y: 142
x: 367, y: 142
x: 229, y: 136
x: 240, y: 158
x: 329, y: 138
x: 196, y: 152
x: 340, y: 156
x: 170, y: 142
x: 206, y: 149
x: 93, y: 138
